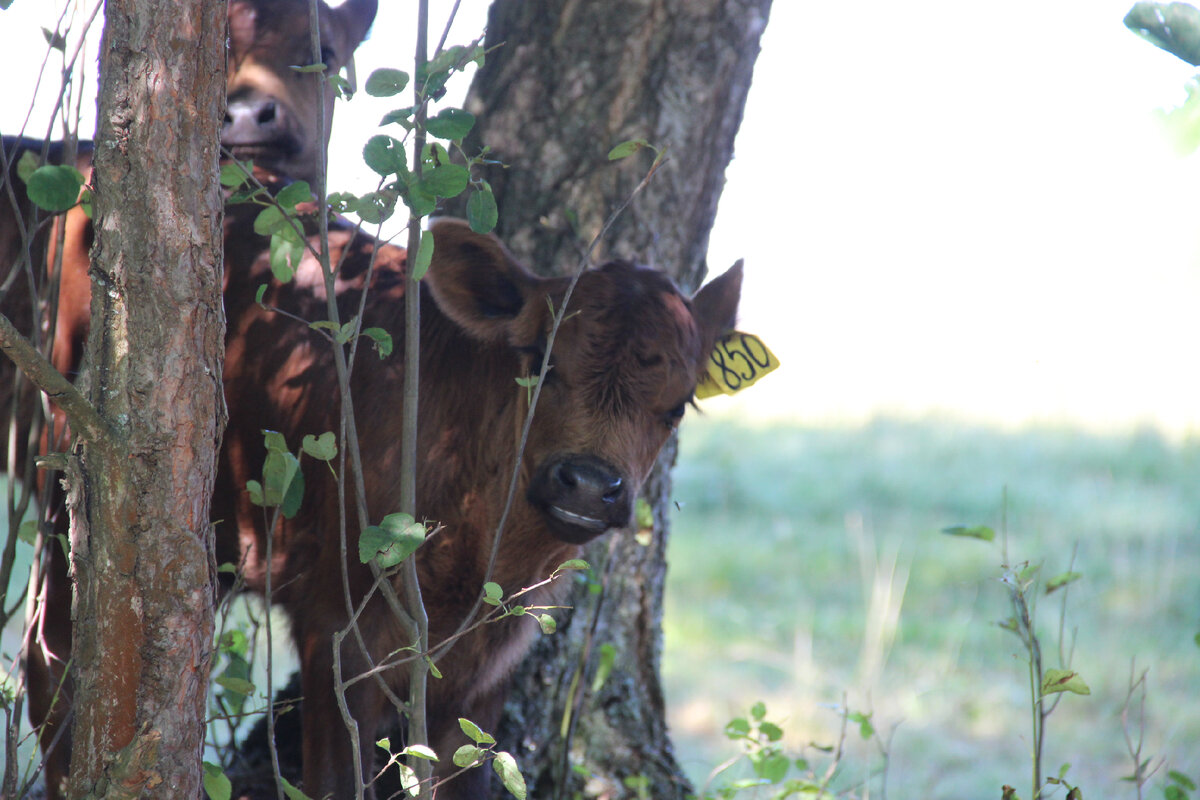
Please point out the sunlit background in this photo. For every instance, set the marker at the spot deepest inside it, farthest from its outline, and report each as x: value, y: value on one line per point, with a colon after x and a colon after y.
x: 978, y: 258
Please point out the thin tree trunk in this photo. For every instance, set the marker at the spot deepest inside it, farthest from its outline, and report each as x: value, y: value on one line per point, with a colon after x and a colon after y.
x: 140, y: 496
x: 571, y: 80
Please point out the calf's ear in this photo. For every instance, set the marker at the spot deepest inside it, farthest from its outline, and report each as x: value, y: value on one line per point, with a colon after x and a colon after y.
x: 476, y: 282
x: 356, y: 17
x: 714, y: 307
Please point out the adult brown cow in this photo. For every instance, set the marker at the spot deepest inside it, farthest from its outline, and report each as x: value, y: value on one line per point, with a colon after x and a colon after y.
x: 274, y: 118
x: 623, y: 370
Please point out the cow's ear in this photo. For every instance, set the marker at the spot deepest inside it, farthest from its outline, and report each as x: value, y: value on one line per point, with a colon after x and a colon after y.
x: 714, y: 307
x: 358, y: 16
x: 476, y: 281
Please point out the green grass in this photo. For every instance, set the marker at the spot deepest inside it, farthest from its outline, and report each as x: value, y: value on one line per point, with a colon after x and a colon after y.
x: 807, y: 564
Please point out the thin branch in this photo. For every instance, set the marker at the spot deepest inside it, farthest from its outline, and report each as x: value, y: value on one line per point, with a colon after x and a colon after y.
x: 84, y: 418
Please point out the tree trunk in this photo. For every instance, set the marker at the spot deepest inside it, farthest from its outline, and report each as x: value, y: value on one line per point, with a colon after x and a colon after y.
x: 571, y: 80
x: 140, y: 494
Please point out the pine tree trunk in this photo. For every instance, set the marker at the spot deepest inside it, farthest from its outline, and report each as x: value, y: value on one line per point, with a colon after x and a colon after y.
x: 571, y: 80
x: 140, y: 494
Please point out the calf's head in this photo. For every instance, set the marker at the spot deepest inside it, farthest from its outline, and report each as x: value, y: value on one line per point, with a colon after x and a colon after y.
x: 623, y: 368
x: 273, y: 112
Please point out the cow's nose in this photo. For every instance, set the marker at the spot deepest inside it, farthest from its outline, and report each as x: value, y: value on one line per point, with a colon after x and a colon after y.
x: 581, y: 497
x: 590, y: 479
x: 250, y: 120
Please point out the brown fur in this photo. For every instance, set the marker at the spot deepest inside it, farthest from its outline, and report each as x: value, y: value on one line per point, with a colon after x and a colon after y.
x: 624, y: 365
x: 267, y: 37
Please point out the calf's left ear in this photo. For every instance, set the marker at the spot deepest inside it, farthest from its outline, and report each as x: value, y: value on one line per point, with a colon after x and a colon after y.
x: 476, y: 282
x: 714, y: 307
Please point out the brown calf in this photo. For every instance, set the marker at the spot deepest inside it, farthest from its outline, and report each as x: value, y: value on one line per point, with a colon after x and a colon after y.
x: 274, y: 118
x: 624, y: 367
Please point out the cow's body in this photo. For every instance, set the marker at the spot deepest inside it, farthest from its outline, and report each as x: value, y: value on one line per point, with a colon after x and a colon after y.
x: 274, y: 118
x: 624, y: 367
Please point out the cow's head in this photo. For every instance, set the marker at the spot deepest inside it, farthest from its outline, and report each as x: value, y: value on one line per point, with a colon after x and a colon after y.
x: 623, y: 368
x: 273, y: 113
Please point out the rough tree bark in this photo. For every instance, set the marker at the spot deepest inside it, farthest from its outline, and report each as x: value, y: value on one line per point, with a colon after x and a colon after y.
x: 571, y: 80
x: 140, y: 494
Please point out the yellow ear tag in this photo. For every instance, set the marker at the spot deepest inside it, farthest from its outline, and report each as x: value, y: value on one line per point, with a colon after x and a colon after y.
x: 737, y: 361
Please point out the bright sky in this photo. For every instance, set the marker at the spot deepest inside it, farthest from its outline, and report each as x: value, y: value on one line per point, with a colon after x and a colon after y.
x: 943, y: 207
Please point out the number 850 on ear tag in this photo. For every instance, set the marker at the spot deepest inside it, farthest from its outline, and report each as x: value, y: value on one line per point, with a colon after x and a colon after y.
x: 737, y: 361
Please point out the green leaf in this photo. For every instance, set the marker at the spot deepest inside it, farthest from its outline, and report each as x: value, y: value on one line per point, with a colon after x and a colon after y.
x: 626, y: 149
x: 235, y: 685
x: 447, y: 180
x: 380, y: 339
x: 341, y: 86
x: 385, y: 155
x: 346, y: 332
x: 482, y: 214
x: 216, y: 785
x: 419, y: 751
x: 1063, y: 680
x: 547, y: 624
x: 865, y: 729
x: 570, y: 564
x: 604, y: 667
x: 292, y: 792
x: 374, y: 207
x: 394, y: 539
x: 772, y: 766
x: 737, y: 728
x: 235, y: 640
x: 475, y: 733
x: 408, y: 780
x: 467, y: 756
x: 262, y: 291
x: 279, y: 469
x: 386, y: 82
x: 54, y: 188
x: 27, y: 532
x: 1061, y: 580
x: 450, y: 123
x: 399, y: 116
x: 55, y: 39
x: 322, y: 448
x: 1173, y: 792
x: 309, y: 68
x: 1182, y: 780
x: 286, y: 253
x: 294, y: 495
x: 433, y: 670
x: 510, y: 775
x: 492, y: 593
x: 235, y: 174
x: 643, y: 513
x: 772, y: 731
x: 981, y: 532
x: 424, y: 256
x: 420, y: 203
x: 256, y: 492
x: 293, y: 194
x: 27, y: 165
x: 758, y: 710
x: 269, y: 220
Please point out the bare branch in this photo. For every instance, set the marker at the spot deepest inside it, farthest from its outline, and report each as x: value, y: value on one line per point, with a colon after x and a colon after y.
x: 84, y: 418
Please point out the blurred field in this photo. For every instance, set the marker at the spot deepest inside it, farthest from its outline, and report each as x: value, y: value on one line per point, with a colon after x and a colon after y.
x: 807, y: 563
